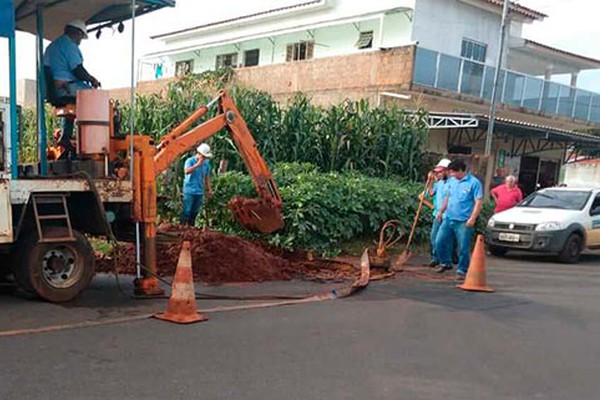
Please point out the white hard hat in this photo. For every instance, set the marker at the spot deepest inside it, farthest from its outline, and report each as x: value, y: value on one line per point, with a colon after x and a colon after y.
x: 79, y: 24
x: 204, y: 149
x: 443, y: 164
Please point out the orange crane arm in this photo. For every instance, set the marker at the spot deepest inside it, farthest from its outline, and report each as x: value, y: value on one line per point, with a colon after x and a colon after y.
x: 261, y: 214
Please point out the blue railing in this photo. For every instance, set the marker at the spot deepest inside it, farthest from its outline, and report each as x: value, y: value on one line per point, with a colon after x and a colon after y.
x: 459, y: 75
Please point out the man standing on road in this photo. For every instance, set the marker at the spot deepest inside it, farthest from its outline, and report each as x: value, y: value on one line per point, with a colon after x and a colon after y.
x: 458, y: 214
x: 438, y: 192
x: 508, y: 195
x: 196, y: 183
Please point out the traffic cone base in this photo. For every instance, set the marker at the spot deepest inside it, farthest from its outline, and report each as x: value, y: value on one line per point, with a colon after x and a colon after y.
x: 190, y: 319
x: 475, y: 281
x: 182, y: 303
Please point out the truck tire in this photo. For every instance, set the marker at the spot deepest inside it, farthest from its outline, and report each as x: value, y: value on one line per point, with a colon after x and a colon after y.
x: 498, y: 251
x: 56, y: 272
x: 572, y: 250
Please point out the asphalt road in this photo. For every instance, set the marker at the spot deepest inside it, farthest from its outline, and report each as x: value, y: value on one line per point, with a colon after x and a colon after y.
x: 406, y: 338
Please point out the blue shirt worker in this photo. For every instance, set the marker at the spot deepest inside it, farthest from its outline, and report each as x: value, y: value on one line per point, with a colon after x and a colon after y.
x: 65, y: 62
x: 458, y: 215
x: 438, y: 192
x: 196, y: 183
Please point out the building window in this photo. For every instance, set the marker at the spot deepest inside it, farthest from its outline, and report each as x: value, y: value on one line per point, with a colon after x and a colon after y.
x: 251, y: 57
x: 365, y: 40
x: 299, y: 51
x: 473, y: 50
x: 184, y: 67
x: 226, y: 61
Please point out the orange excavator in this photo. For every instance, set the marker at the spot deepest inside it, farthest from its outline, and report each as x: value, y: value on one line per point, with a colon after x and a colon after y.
x: 261, y: 214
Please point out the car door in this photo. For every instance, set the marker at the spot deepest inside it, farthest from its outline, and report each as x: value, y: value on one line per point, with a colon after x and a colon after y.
x: 593, y: 225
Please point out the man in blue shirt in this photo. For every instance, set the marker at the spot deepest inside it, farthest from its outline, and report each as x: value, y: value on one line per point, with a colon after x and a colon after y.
x: 195, y: 181
x: 65, y: 61
x: 458, y: 214
x: 438, y: 192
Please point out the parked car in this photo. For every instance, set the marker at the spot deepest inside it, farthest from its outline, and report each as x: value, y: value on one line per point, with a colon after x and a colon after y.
x: 558, y: 220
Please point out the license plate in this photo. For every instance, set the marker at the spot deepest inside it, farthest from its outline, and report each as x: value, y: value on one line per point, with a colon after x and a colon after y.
x: 508, y: 237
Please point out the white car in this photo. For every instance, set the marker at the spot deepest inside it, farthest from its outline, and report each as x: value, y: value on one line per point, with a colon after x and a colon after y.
x: 559, y: 220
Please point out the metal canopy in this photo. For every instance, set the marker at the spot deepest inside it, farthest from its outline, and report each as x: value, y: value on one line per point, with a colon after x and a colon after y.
x: 98, y: 13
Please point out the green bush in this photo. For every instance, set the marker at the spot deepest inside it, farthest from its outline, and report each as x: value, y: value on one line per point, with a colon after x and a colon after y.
x: 322, y: 210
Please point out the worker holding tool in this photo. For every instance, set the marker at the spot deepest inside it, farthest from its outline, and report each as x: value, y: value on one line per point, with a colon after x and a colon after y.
x: 437, y: 191
x: 196, y: 183
x: 63, y: 58
x: 458, y: 214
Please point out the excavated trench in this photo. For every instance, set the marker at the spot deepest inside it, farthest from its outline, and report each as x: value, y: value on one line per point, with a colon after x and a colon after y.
x: 218, y: 258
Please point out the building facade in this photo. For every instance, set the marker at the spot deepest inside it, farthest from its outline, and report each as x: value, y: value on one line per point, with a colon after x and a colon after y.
x: 438, y: 54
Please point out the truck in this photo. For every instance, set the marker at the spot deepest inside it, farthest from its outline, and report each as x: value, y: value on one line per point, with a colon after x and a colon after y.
x: 49, y: 209
x: 561, y: 220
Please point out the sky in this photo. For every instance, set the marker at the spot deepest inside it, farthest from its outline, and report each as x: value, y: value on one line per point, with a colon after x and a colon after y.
x: 572, y: 25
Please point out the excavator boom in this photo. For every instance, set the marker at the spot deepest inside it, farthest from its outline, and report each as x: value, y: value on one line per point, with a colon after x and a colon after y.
x: 262, y: 214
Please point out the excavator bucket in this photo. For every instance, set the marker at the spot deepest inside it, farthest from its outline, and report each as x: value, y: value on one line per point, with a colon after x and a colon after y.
x: 257, y: 215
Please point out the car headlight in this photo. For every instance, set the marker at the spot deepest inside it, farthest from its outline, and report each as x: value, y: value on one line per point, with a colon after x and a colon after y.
x: 491, y: 223
x: 550, y: 226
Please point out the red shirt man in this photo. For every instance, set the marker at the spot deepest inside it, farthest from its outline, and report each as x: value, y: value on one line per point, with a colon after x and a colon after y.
x: 507, y: 195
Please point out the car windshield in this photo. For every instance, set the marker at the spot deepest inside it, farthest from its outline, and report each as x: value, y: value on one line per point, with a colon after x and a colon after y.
x: 560, y: 199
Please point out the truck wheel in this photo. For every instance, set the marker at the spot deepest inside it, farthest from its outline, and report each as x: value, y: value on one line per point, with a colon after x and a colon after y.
x: 56, y: 272
x: 498, y: 251
x: 572, y: 250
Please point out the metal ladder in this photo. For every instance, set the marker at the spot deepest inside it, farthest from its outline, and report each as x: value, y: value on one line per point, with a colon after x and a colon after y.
x: 51, y: 198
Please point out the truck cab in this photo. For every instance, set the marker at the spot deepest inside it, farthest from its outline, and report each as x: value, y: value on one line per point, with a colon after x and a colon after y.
x: 559, y: 220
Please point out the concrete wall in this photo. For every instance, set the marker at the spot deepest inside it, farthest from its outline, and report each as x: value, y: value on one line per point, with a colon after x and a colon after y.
x: 328, y: 80
x: 582, y: 174
x: 27, y: 92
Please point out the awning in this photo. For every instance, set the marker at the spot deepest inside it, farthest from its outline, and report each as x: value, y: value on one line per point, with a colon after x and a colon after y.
x: 96, y: 13
x: 534, y: 58
x: 509, y: 128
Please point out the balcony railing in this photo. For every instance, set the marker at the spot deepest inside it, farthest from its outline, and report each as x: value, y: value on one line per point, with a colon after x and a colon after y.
x: 460, y: 75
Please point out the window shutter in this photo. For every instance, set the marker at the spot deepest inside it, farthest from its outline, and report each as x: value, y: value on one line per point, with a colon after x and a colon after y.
x: 289, y: 52
x: 310, y: 50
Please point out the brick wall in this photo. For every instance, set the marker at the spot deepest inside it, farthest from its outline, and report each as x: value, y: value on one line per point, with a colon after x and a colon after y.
x: 327, y: 80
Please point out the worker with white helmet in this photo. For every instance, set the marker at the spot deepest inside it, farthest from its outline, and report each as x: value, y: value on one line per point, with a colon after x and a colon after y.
x: 65, y: 62
x: 196, y: 183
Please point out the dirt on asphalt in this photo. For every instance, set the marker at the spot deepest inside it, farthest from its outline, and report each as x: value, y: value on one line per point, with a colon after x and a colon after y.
x: 218, y: 258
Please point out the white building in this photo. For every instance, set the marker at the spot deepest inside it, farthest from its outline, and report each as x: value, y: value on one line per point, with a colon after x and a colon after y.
x: 442, y: 52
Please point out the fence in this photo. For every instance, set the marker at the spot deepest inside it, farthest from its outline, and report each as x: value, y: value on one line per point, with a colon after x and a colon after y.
x: 460, y: 75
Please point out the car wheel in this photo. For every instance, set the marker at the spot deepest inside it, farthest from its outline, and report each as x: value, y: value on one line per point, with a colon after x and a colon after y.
x: 55, y: 271
x: 572, y: 250
x: 498, y: 251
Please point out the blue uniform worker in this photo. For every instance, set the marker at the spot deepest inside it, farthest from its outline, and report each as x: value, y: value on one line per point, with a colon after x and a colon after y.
x: 438, y: 192
x: 65, y: 61
x: 461, y: 207
x: 196, y: 183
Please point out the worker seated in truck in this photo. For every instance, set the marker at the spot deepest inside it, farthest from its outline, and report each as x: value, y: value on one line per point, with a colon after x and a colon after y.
x: 63, y: 58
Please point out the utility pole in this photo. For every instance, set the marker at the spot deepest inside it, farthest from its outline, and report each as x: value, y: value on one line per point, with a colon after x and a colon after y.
x: 492, y: 118
x: 490, y: 130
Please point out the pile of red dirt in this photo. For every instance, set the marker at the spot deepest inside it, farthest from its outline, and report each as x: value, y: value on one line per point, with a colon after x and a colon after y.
x: 219, y: 258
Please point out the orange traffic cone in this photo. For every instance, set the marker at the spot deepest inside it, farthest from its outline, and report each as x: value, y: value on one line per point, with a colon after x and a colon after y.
x: 476, y: 280
x: 182, y: 303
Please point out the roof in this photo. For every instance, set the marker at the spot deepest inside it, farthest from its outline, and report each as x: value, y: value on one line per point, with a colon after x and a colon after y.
x: 532, y: 43
x: 519, y: 9
x: 240, y: 18
x: 98, y: 12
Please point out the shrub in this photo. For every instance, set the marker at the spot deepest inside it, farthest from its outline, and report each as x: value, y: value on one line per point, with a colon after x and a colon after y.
x: 322, y: 210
